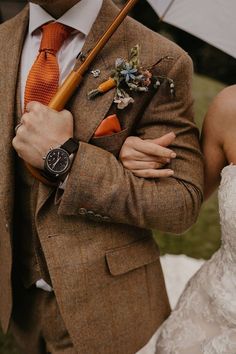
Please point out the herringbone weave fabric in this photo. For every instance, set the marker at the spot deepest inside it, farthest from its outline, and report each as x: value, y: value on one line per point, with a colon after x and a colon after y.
x: 43, y: 79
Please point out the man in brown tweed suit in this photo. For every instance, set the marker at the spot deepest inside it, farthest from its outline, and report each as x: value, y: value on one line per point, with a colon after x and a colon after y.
x: 91, y: 243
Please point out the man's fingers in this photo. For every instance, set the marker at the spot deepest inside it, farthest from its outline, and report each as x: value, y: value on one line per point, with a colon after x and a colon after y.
x: 151, y: 173
x: 34, y: 106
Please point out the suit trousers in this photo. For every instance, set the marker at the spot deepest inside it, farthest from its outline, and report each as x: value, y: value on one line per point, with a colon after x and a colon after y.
x: 37, y: 325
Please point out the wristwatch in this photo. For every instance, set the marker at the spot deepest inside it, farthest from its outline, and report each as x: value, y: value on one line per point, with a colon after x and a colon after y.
x: 58, y: 160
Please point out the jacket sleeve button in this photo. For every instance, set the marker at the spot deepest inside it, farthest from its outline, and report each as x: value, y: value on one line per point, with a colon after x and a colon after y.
x: 82, y: 211
x: 98, y: 217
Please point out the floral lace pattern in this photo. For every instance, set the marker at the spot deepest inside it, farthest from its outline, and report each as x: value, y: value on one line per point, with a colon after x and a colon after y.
x: 204, y: 320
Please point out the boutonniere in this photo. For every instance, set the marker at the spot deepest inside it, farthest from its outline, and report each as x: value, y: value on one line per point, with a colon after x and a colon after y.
x: 129, y: 76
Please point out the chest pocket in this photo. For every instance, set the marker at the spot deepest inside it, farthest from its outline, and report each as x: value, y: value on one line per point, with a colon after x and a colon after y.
x: 112, y: 143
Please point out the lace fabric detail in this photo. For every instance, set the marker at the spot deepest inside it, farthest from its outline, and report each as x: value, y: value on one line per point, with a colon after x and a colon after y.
x: 204, y: 320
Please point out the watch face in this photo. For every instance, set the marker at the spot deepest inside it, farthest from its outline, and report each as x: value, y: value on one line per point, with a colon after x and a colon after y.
x: 57, y: 161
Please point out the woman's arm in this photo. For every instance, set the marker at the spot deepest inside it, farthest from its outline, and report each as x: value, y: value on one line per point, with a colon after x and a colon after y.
x: 218, y: 145
x: 219, y: 137
x: 212, y: 146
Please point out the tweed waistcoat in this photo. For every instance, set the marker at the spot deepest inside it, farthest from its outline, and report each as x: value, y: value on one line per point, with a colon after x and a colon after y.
x: 30, y: 257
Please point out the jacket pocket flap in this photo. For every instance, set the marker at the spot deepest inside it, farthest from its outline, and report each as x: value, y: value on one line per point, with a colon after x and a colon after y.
x: 111, y: 143
x: 137, y: 254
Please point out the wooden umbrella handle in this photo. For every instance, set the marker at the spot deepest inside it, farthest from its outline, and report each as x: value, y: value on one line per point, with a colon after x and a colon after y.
x: 75, y: 78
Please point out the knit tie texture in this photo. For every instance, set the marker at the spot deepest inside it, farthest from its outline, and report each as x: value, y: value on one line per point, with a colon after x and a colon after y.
x: 43, y: 79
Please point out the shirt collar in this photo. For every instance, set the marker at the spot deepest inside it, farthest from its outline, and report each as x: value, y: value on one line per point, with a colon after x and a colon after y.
x: 80, y: 17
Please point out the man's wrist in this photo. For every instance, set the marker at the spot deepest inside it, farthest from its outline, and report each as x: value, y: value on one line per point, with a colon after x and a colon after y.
x: 58, y: 161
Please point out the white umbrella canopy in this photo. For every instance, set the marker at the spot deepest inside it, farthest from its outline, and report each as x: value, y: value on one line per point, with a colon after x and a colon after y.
x: 213, y: 21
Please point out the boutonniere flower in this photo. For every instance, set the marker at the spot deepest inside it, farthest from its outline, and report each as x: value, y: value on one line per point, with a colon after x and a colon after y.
x: 129, y: 76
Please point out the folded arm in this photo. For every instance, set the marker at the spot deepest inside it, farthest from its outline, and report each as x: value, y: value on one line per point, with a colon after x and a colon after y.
x: 99, y: 185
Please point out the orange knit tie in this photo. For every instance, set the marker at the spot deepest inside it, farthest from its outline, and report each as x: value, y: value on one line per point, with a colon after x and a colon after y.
x: 43, y: 79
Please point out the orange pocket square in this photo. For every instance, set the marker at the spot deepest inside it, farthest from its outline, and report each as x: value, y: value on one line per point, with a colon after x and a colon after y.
x: 109, y: 126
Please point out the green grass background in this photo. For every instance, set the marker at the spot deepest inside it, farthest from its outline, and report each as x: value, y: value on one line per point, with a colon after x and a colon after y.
x: 203, y: 239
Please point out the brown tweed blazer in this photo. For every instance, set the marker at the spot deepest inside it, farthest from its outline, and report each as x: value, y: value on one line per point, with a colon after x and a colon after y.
x: 102, y: 259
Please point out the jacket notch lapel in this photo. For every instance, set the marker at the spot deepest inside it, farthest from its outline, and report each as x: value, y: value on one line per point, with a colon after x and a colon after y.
x: 10, y: 58
x: 88, y: 114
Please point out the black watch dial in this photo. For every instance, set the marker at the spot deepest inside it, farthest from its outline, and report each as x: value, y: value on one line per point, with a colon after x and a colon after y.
x: 57, y: 161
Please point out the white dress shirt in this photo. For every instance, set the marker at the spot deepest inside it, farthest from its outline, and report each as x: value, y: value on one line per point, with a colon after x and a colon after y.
x: 81, y: 18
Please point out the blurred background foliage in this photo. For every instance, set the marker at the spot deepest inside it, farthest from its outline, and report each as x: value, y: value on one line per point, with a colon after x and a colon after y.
x: 203, y: 239
x: 207, y: 59
x: 214, y: 70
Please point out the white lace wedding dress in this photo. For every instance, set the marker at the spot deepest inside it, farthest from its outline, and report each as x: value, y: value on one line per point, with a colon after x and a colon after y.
x: 204, y: 320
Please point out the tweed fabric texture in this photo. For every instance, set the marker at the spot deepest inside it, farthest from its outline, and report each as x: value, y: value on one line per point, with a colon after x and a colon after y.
x: 43, y: 79
x: 102, y: 259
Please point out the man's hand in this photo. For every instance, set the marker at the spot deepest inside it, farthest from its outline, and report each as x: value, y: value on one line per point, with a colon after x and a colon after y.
x: 146, y: 158
x: 42, y: 128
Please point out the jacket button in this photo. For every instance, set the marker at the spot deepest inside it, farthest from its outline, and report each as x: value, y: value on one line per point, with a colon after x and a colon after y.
x: 90, y: 213
x: 82, y: 211
x: 98, y: 217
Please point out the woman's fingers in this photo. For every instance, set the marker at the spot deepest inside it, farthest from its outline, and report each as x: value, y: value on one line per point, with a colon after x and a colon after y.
x: 146, y: 158
x: 165, y: 140
x: 143, y: 165
x: 152, y: 173
x: 144, y: 149
x: 150, y: 148
x: 140, y: 156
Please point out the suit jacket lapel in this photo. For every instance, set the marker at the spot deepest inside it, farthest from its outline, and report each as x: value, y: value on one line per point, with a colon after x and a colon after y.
x: 10, y: 54
x: 88, y: 114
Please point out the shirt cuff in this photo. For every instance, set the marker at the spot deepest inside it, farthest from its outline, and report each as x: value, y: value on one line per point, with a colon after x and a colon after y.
x: 41, y: 284
x: 62, y: 184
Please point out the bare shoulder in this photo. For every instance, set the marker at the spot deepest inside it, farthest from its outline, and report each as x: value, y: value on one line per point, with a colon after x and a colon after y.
x: 221, y: 116
x: 219, y: 128
x: 219, y: 137
x: 224, y: 104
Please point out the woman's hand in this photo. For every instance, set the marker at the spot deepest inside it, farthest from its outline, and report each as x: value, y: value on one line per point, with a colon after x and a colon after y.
x: 146, y: 158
